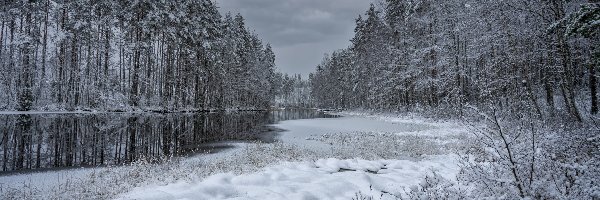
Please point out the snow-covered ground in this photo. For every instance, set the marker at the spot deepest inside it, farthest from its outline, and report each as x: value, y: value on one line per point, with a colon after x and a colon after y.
x: 44, y: 181
x: 302, y: 132
x: 355, y: 156
x: 377, y: 174
x: 322, y: 179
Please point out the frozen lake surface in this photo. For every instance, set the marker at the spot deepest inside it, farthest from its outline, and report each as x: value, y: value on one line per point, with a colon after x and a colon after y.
x: 302, y: 132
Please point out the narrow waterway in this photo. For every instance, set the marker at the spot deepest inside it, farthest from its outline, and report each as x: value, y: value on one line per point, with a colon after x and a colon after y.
x: 47, y: 141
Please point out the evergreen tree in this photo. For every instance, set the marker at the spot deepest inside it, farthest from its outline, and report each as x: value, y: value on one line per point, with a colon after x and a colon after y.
x: 130, y: 55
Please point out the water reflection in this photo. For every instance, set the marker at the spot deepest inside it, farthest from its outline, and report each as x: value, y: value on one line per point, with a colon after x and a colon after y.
x: 45, y: 141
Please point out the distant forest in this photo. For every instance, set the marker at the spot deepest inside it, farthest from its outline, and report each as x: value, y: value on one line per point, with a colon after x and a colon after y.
x: 539, y: 56
x: 167, y: 55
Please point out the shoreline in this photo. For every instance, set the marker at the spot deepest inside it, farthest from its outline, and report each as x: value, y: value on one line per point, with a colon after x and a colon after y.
x: 246, y: 159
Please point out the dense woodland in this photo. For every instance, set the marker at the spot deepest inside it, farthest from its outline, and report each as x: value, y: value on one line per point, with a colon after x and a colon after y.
x: 422, y: 53
x: 522, y: 74
x: 131, y: 55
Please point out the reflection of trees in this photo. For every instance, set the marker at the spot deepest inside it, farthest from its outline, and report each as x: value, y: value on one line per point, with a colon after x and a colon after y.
x: 64, y: 140
x: 23, y: 140
x: 5, y: 137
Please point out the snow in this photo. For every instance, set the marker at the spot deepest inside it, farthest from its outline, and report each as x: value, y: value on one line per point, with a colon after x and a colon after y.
x: 357, y: 155
x: 299, y: 132
x: 45, y: 181
x: 329, y: 177
x: 322, y: 179
x: 308, y: 132
x: 103, y: 182
x: 430, y: 128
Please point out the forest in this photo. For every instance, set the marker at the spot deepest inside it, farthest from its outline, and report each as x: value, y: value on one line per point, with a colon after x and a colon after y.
x: 528, y: 70
x: 132, y: 55
x: 542, y: 55
x: 452, y: 99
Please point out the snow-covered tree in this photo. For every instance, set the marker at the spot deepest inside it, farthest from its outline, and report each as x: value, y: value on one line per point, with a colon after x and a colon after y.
x: 123, y: 55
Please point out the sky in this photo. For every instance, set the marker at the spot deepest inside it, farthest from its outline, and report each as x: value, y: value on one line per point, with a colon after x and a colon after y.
x: 300, y: 31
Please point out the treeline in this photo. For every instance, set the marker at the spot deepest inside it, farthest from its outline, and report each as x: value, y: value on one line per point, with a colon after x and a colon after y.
x: 539, y: 56
x: 167, y: 55
x: 292, y: 91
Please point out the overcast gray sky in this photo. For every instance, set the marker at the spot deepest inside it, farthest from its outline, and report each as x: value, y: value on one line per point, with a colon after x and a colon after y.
x: 300, y: 31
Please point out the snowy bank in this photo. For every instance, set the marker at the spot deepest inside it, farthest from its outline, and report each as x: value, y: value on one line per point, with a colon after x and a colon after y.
x: 338, y: 158
x: 322, y: 179
x: 356, y: 157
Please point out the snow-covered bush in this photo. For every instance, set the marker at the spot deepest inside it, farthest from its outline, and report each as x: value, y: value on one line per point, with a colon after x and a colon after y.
x: 360, y: 196
x: 435, y: 186
x: 390, y: 145
x: 520, y: 156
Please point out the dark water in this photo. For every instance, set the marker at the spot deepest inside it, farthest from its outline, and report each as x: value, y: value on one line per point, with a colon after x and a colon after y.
x: 50, y: 141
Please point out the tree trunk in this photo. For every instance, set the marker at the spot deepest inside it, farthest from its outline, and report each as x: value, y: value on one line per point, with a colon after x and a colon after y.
x: 25, y: 96
x: 134, y: 98
x: 2, y: 40
x: 44, y: 47
x: 549, y: 91
x: 593, y: 88
x: 567, y: 83
x: 74, y: 85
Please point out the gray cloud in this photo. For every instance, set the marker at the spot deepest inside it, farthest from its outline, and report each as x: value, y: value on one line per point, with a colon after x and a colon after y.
x: 300, y: 31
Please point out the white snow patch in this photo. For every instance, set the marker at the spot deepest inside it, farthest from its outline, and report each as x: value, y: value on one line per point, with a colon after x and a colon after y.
x: 45, y: 181
x: 433, y: 128
x: 297, y: 131
x: 322, y: 179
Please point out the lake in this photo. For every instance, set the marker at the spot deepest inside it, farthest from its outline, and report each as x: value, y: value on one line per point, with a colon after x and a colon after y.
x: 48, y: 141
